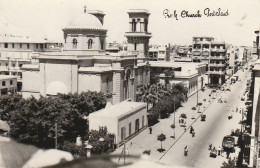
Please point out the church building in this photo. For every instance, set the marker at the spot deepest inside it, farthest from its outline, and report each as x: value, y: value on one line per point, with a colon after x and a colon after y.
x: 83, y: 65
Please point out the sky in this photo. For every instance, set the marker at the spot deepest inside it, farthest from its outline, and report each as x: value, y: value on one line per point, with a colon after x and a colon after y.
x: 39, y: 18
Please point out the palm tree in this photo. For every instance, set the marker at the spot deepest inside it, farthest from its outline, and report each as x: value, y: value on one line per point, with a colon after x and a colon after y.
x: 161, y: 138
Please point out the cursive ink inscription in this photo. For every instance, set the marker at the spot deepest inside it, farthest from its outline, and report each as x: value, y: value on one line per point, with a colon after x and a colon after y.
x: 187, y: 14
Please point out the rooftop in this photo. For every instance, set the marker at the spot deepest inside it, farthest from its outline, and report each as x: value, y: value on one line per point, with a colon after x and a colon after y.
x: 120, y: 109
x: 138, y: 11
x: 3, y: 77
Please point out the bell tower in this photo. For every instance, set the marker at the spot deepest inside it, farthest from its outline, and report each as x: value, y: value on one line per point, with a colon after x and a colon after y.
x: 138, y: 35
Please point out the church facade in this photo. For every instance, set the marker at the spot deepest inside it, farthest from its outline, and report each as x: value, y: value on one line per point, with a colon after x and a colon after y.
x: 83, y: 64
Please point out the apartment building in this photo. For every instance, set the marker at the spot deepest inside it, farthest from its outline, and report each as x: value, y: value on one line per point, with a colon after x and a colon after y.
x: 217, y: 63
x: 18, y: 50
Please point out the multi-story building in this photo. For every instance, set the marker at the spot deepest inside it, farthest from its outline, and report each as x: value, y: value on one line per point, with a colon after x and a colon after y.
x: 159, y: 53
x: 182, y: 51
x: 84, y: 65
x: 217, y: 63
x: 232, y: 65
x: 201, y: 49
x: 18, y: 50
x: 8, y: 84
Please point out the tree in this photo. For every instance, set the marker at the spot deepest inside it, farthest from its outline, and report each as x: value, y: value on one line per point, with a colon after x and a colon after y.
x: 169, y: 73
x: 161, y: 138
x: 104, y: 146
x: 230, y: 164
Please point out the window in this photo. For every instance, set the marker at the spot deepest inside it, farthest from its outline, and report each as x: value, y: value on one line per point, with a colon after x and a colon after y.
x: 45, y: 45
x: 41, y: 46
x: 130, y: 128
x: 74, y: 43
x: 102, y: 44
x: 142, y: 121
x: 3, y: 83
x: 13, y: 45
x: 135, y: 46
x: 90, y: 43
x: 13, y: 65
x: 6, y: 64
x: 28, y: 45
x: 37, y: 46
x: 20, y: 65
x: 133, y: 25
x: 107, y: 82
x: 122, y: 133
x: 6, y: 45
x: 21, y: 45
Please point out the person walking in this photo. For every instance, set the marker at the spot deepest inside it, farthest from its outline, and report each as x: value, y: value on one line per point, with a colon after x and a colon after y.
x: 191, y: 129
x: 219, y: 150
x: 210, y: 146
x: 193, y: 133
x: 151, y: 130
x: 186, y: 151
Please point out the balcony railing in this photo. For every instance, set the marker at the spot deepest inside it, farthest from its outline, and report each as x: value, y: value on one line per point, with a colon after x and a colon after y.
x: 216, y: 72
x: 217, y: 57
x: 218, y: 50
x: 217, y: 65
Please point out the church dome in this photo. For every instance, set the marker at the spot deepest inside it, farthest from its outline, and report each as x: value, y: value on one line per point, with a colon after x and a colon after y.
x: 84, y: 21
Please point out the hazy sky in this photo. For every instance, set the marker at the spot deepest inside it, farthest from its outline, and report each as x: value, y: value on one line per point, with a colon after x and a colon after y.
x: 48, y: 17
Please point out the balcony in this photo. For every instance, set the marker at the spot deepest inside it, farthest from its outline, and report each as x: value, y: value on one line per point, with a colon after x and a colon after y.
x: 216, y: 72
x: 205, y: 53
x: 217, y: 65
x: 196, y: 53
x: 217, y: 57
x: 218, y: 50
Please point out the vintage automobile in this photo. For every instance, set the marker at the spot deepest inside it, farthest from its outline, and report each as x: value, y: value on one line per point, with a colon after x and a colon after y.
x: 203, y: 117
x: 228, y: 143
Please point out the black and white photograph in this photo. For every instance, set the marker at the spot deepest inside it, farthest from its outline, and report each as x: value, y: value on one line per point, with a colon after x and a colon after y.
x: 129, y: 84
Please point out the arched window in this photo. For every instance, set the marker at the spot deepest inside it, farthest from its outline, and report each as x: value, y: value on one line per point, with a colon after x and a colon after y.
x: 133, y: 25
x: 74, y: 43
x: 90, y: 42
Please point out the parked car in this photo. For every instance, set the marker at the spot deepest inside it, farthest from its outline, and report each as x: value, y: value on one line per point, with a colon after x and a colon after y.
x: 228, y: 143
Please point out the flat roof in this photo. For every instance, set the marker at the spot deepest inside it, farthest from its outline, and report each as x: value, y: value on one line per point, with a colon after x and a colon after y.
x: 120, y: 109
x: 2, y: 77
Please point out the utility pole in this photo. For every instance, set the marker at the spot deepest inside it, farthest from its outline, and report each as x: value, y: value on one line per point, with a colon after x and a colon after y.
x: 174, y: 116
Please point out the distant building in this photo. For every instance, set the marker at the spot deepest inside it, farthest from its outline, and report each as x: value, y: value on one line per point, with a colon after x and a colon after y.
x: 217, y: 63
x: 201, y: 48
x: 159, y: 53
x: 182, y: 51
x: 193, y: 75
x: 113, y: 47
x: 8, y: 84
x: 232, y: 65
x: 18, y: 50
x: 124, y: 119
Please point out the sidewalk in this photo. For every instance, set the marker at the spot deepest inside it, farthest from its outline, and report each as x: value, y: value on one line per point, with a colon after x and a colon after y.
x: 145, y: 141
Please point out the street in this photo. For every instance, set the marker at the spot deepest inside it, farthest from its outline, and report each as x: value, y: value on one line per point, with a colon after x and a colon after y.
x: 216, y: 126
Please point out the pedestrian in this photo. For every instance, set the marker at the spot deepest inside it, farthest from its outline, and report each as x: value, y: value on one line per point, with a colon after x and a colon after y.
x: 186, y: 151
x: 151, y: 130
x: 191, y: 129
x: 193, y: 133
x: 131, y: 143
x: 219, y: 150
x: 228, y: 154
x: 210, y: 146
x: 184, y: 129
